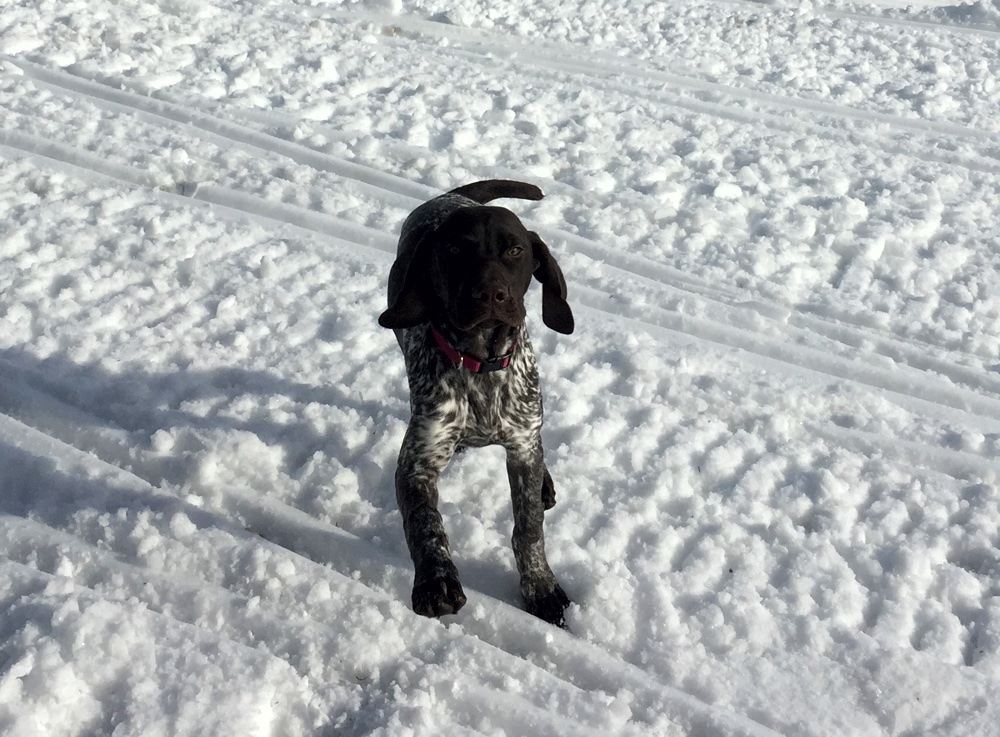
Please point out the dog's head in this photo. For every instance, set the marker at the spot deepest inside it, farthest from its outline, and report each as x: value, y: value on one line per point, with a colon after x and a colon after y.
x: 472, y: 272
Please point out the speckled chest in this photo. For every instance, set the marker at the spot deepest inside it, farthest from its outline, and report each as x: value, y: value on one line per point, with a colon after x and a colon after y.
x: 498, y: 408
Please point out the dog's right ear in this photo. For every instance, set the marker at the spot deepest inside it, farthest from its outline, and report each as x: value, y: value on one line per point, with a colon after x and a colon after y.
x: 408, y: 282
x: 556, y: 313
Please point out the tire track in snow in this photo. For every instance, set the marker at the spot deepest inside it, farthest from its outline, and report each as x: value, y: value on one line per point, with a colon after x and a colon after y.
x: 405, y: 194
x: 650, y: 707
x: 839, y: 124
x: 789, y: 324
x: 318, y: 542
x: 953, y: 463
x: 312, y: 644
x: 952, y: 403
x: 381, y: 183
x: 596, y: 66
x: 841, y: 328
x: 210, y: 126
x: 586, y: 667
x: 563, y: 670
x: 74, y: 159
x: 913, y: 393
x: 306, y: 219
x: 384, y: 183
x: 976, y: 31
x: 611, y: 672
x: 310, y: 631
x: 387, y: 187
x: 249, y: 207
x: 916, y: 391
x: 669, y: 330
x: 91, y: 168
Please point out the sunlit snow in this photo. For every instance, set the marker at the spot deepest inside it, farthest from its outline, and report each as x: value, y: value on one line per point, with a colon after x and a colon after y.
x: 775, y: 433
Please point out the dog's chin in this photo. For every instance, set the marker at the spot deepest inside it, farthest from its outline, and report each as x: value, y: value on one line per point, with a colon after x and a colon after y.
x: 486, y: 321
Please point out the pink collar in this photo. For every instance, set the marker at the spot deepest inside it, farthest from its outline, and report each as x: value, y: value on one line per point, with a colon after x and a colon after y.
x: 468, y: 362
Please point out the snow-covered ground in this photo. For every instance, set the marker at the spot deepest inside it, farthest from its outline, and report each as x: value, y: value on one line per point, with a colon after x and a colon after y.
x: 775, y: 433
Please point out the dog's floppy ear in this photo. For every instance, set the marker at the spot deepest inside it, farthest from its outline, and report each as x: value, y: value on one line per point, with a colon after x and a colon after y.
x: 408, y: 279
x: 556, y: 313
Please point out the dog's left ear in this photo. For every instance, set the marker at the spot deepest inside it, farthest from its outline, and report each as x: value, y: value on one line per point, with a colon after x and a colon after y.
x: 556, y: 313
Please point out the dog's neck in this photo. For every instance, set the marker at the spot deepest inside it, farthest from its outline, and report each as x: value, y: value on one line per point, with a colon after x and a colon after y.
x: 482, y: 343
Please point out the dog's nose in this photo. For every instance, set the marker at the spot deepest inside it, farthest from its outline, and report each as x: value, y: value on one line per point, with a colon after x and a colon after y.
x: 496, y: 294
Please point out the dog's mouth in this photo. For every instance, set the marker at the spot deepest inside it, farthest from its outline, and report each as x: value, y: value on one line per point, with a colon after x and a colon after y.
x: 488, y: 317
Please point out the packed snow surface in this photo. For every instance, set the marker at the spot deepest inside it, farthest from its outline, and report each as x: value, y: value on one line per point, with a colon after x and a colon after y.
x: 775, y: 433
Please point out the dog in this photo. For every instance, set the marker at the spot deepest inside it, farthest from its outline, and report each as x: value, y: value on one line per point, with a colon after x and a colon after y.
x: 456, y: 305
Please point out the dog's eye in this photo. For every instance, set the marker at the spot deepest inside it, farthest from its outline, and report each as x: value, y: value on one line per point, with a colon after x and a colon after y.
x: 454, y: 250
x: 514, y: 252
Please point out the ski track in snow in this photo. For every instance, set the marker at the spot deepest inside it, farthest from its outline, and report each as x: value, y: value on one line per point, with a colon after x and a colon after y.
x: 597, y: 67
x: 395, y: 191
x: 791, y: 463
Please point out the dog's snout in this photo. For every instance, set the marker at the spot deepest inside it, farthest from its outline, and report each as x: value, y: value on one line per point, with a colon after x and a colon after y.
x: 493, y: 294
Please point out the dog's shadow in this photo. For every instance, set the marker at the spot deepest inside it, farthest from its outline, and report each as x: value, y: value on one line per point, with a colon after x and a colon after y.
x: 117, y: 416
x: 71, y: 402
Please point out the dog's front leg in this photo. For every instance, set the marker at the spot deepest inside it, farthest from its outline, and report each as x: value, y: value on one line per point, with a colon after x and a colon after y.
x: 422, y: 457
x: 543, y: 596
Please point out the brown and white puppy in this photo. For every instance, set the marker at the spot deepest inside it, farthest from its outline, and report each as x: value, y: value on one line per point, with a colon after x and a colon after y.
x: 456, y: 304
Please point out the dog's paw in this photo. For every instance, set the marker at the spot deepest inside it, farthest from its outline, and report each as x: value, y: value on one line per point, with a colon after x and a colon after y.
x: 438, y: 594
x: 549, y: 604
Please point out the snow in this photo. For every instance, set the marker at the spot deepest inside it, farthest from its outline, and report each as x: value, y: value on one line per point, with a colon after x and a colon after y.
x: 775, y: 432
